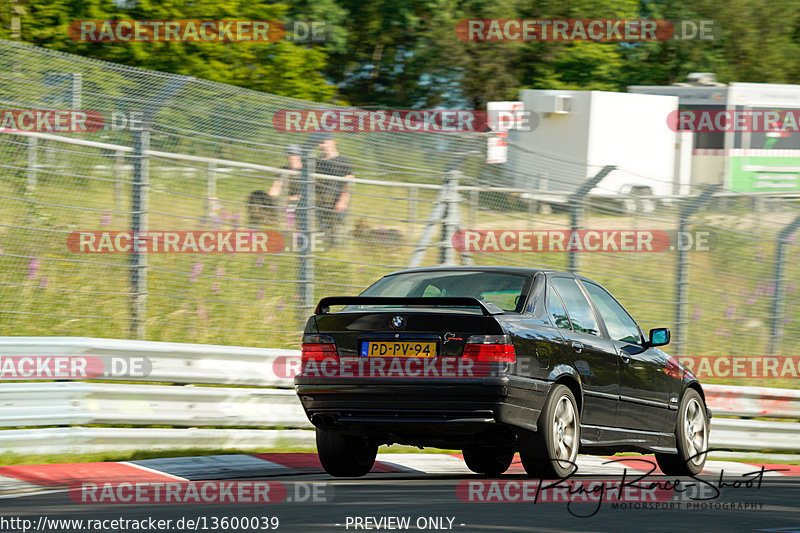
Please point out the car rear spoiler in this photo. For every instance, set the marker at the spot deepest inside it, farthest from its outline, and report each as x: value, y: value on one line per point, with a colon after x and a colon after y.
x: 487, y: 308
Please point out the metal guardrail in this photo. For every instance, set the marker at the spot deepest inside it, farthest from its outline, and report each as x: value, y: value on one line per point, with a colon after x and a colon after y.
x: 82, y: 440
x: 171, y: 362
x: 83, y: 403
x: 132, y: 401
x: 753, y: 402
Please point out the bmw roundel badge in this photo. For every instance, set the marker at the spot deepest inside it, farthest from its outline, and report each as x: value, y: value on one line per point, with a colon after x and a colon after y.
x: 398, y: 322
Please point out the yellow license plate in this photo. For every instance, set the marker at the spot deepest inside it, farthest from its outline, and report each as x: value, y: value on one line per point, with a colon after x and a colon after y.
x: 398, y: 349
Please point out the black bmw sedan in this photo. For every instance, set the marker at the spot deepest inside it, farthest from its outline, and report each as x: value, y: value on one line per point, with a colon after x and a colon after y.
x: 495, y: 360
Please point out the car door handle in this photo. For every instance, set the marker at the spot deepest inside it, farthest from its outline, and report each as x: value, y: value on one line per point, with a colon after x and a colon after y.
x: 577, y: 346
x: 625, y: 358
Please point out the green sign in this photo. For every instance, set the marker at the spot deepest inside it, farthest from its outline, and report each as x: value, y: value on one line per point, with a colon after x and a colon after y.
x: 765, y: 173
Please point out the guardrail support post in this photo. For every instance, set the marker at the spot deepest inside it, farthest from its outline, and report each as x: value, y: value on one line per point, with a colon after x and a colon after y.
x: 689, y: 207
x: 776, y: 332
x: 306, y: 225
x: 576, y: 211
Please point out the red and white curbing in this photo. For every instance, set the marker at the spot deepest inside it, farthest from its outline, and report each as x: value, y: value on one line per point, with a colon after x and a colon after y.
x: 30, y: 478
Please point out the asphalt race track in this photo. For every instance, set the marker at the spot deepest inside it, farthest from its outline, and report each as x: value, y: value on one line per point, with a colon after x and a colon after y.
x: 435, y: 503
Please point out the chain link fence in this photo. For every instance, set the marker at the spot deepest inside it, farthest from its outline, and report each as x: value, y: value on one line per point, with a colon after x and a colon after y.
x: 183, y: 154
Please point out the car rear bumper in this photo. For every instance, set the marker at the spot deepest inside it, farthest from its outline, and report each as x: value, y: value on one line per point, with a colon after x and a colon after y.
x: 407, y: 410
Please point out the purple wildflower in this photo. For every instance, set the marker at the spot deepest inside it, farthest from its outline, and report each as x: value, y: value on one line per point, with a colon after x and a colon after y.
x: 33, y: 268
x: 196, y: 270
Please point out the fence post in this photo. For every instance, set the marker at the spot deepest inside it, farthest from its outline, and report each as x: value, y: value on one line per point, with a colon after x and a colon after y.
x: 451, y: 219
x: 33, y: 157
x: 141, y: 179
x: 139, y: 207
x: 689, y: 207
x: 780, y: 273
x: 576, y: 211
x: 412, y: 204
x: 437, y: 214
x: 119, y: 160
x: 306, y: 225
x: 211, y: 187
x: 474, y: 201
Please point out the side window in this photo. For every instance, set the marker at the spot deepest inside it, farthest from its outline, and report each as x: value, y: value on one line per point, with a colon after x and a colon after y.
x: 620, y: 325
x: 580, y: 312
x: 557, y: 312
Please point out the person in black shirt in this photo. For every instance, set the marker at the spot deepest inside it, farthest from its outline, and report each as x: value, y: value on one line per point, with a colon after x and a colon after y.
x: 333, y: 196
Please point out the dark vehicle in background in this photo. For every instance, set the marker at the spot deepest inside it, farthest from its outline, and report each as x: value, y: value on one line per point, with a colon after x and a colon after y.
x: 495, y: 360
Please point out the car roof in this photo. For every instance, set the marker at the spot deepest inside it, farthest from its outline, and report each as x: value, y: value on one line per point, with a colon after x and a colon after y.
x: 528, y: 271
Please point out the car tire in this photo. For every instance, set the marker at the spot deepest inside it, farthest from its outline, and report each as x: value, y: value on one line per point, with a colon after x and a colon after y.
x: 344, y: 455
x: 691, y: 436
x: 487, y: 460
x: 551, y: 451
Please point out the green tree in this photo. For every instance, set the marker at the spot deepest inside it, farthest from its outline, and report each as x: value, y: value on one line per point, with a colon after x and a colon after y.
x: 283, y: 67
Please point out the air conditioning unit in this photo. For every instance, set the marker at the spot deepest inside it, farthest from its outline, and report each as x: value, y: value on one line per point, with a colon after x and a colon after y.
x: 560, y: 104
x: 700, y: 79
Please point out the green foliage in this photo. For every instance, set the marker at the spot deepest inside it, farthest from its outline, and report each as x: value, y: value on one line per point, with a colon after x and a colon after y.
x: 390, y: 53
x: 282, y: 67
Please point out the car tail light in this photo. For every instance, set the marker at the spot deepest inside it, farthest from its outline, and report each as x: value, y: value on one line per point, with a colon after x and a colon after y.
x: 318, y: 348
x: 490, y: 348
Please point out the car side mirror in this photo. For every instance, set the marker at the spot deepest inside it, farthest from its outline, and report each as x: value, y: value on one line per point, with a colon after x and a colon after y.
x: 659, y: 337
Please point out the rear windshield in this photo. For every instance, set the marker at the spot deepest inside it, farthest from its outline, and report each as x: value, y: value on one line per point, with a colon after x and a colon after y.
x: 506, y: 291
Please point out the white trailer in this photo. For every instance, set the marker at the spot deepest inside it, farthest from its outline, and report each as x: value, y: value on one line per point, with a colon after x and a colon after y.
x: 577, y: 133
